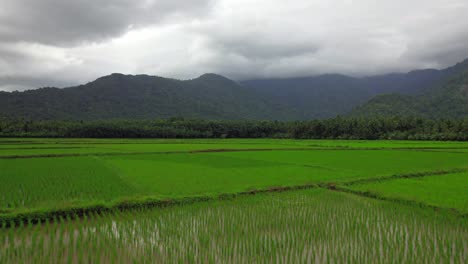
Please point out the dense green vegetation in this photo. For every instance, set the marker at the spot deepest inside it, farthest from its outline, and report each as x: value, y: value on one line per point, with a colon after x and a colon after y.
x: 143, y: 97
x: 26, y: 182
x: 211, y: 96
x: 336, y: 128
x: 232, y: 200
x: 40, y: 182
x: 447, y: 191
x: 292, y: 227
x: 329, y: 95
x: 448, y: 101
x: 40, y: 147
x: 60, y: 173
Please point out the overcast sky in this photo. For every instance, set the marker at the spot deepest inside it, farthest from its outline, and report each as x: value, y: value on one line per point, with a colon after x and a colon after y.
x: 65, y: 42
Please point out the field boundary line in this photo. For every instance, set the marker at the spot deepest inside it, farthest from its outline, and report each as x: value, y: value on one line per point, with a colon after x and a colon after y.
x: 38, y: 216
x: 44, y: 148
x: 405, y: 176
x: 207, y: 151
x: 137, y: 153
x: 343, y: 187
x: 165, y: 152
x: 375, y: 196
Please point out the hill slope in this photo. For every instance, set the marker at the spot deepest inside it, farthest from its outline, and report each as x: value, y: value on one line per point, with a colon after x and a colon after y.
x: 143, y: 97
x: 447, y: 101
x: 212, y: 96
x: 330, y: 95
x: 314, y: 97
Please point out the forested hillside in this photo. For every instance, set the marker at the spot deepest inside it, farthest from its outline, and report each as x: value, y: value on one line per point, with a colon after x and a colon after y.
x: 143, y: 97
x: 329, y: 95
x: 314, y: 97
x: 212, y: 96
x: 447, y: 101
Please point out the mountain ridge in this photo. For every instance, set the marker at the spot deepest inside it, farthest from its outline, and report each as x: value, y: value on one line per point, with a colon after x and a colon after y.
x: 328, y: 95
x: 213, y: 96
x: 449, y: 100
x: 142, y: 97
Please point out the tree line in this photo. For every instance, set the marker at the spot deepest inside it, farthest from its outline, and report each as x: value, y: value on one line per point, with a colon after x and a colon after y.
x: 403, y: 128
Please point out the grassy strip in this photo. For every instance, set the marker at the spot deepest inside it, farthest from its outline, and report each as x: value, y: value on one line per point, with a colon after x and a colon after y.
x: 38, y: 216
x: 440, y: 151
x: 201, y: 151
x: 400, y: 201
x: 402, y: 176
x: 156, y: 152
x: 44, y: 148
x: 86, y: 154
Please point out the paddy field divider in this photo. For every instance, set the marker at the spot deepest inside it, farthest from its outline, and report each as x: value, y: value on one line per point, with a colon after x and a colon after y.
x: 13, y: 218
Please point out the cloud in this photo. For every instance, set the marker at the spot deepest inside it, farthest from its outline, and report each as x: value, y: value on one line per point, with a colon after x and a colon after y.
x: 271, y: 38
x: 59, y: 22
x: 72, y: 42
x: 20, y: 83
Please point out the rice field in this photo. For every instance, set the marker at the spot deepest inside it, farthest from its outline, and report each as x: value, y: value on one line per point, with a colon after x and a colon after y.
x: 171, y: 170
x: 445, y: 191
x: 191, y: 201
x: 313, y: 226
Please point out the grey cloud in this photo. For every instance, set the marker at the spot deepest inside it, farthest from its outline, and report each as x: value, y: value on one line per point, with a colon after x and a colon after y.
x: 258, y: 48
x: 58, y: 42
x: 64, y: 22
x: 32, y: 59
x: 442, y: 51
x: 302, y: 38
x: 20, y: 83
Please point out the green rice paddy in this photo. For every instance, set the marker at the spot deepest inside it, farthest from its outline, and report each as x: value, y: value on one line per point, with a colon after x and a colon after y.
x: 312, y: 226
x: 445, y: 191
x: 99, y: 201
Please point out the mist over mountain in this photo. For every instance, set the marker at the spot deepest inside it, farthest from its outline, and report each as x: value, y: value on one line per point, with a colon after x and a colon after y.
x: 212, y: 96
x: 450, y: 100
x: 332, y: 94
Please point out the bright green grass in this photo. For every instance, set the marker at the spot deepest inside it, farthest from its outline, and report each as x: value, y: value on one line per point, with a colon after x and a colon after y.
x: 362, y: 163
x: 140, y: 146
x: 126, y: 148
x: 313, y: 226
x: 386, y: 144
x: 25, y: 147
x: 50, y: 182
x: 45, y: 182
x: 62, y: 181
x: 316, y: 225
x: 447, y: 191
x: 210, y: 173
x: 325, y: 143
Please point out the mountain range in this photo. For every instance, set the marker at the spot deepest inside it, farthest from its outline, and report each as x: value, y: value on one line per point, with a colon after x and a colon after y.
x: 121, y: 96
x: 211, y: 96
x: 447, y: 101
x: 329, y: 95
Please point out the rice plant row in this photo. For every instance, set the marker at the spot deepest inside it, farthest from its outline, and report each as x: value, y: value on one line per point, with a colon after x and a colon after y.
x: 58, y: 182
x: 293, y: 227
x: 49, y: 183
x: 448, y: 191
